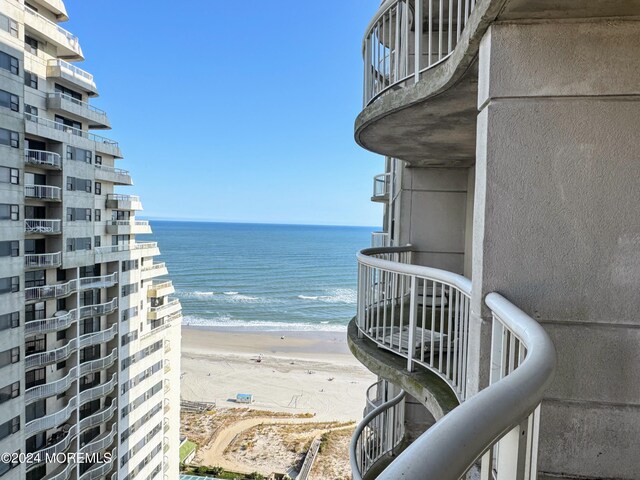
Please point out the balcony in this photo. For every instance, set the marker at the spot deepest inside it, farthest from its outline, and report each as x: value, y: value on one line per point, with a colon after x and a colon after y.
x: 99, y: 364
x: 123, y: 202
x: 128, y: 227
x: 101, y: 442
x: 43, y: 226
x: 99, y: 417
x: 96, y: 338
x: 380, y: 239
x: 78, y: 110
x: 43, y: 192
x: 43, y: 260
x: 47, y: 128
x: 49, y: 325
x: 381, y: 187
x: 43, y: 159
x: 52, y: 356
x: 60, y: 70
x: 160, y: 289
x: 99, y: 310
x: 116, y: 176
x: 52, y: 448
x: 403, y: 70
x: 154, y: 270
x: 412, y: 326
x: 66, y: 289
x: 111, y: 253
x: 51, y: 388
x: 52, y: 420
x: 67, y: 44
x: 100, y: 470
x: 99, y: 391
x: 171, y: 307
x: 55, y: 6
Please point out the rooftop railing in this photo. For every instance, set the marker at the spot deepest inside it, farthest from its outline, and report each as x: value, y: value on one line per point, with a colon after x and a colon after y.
x: 42, y: 158
x: 394, y: 56
x: 497, y: 426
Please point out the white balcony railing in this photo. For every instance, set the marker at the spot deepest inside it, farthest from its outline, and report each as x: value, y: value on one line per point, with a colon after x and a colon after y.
x: 99, y: 470
x: 43, y: 260
x: 49, y: 325
x: 52, y: 388
x: 99, y: 364
x: 70, y: 40
x: 379, y: 433
x: 154, y: 267
x: 52, y: 420
x: 381, y: 186
x: 100, y: 309
x: 96, y: 338
x: 422, y: 314
x: 71, y: 70
x: 79, y: 103
x: 56, y: 448
x: 160, y: 309
x: 51, y: 356
x: 394, y: 56
x: 42, y: 158
x: 380, y: 239
x: 69, y: 130
x: 64, y: 289
x: 99, y: 391
x: 44, y: 192
x: 101, y: 442
x: 125, y: 247
x: 99, y: 417
x: 44, y: 226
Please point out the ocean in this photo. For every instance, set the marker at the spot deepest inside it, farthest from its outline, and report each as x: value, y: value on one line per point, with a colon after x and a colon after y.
x: 262, y: 277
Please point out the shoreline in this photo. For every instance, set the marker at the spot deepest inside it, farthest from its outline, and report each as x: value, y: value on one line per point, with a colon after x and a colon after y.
x: 304, y: 372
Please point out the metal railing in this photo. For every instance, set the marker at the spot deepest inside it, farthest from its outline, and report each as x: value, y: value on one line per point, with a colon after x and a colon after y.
x: 51, y: 421
x: 101, y: 469
x: 99, y: 391
x: 57, y: 448
x: 48, y: 325
x: 43, y: 260
x: 51, y: 388
x: 65, y: 473
x: 99, y: 417
x: 380, y: 239
x: 42, y: 157
x: 64, y: 289
x: 381, y: 185
x: 101, y: 442
x: 45, y: 192
x: 51, y: 356
x: 500, y: 424
x: 99, y: 364
x: 72, y: 69
x: 154, y: 266
x: 160, y: 308
x: 117, y: 171
x: 95, y: 338
x: 80, y: 103
x: 394, y: 55
x: 70, y: 130
x: 37, y: 225
x: 99, y: 309
x: 419, y: 313
x: 123, y: 198
x: 125, y: 247
x: 379, y: 433
x: 72, y: 40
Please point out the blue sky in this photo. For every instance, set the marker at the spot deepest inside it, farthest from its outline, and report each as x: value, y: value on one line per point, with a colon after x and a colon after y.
x: 235, y: 110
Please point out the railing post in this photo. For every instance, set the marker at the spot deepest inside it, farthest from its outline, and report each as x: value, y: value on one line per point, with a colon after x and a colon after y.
x: 418, y: 39
x: 360, y: 312
x: 413, y: 313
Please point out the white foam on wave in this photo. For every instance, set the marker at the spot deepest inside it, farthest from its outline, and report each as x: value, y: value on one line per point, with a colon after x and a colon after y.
x: 231, y: 293
x: 336, y: 295
x: 234, y: 297
x: 227, y: 321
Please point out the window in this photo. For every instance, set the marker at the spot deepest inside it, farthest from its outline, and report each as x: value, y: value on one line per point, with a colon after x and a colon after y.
x: 78, y: 214
x: 9, y: 63
x: 80, y: 243
x: 35, y: 311
x: 98, y: 188
x: 35, y: 377
x: 30, y: 110
x: 9, y: 100
x: 30, y: 79
x: 129, y: 313
x: 129, y: 265
x: 9, y: 175
x: 61, y: 335
x: 9, y: 356
x: 96, y: 241
x: 9, y: 212
x: 9, y: 25
x: 9, y: 320
x: 12, y: 426
x: 10, y: 391
x: 10, y: 463
x: 98, y: 159
x: 10, y: 248
x: 98, y: 215
x: 79, y: 154
x: 9, y: 284
x: 31, y: 44
x: 129, y: 289
x: 78, y: 184
x: 10, y: 138
x: 34, y: 279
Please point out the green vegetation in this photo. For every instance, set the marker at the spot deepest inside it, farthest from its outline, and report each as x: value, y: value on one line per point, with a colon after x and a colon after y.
x: 185, y: 450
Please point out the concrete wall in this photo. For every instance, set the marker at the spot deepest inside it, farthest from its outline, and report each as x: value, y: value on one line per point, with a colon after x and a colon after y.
x: 557, y: 228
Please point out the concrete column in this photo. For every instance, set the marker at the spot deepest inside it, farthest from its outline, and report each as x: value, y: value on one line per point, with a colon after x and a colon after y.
x: 557, y: 226
x: 433, y: 204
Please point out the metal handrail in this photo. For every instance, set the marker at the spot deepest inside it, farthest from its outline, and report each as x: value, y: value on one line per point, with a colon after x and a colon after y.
x: 36, y: 260
x: 154, y: 266
x: 101, y: 442
x: 70, y: 130
x: 64, y: 289
x: 393, y: 54
x: 41, y: 225
x: 57, y: 62
x: 123, y: 197
x: 51, y: 356
x: 99, y: 470
x: 51, y: 421
x: 99, y: 309
x: 172, y: 302
x: 49, y: 192
x: 71, y: 38
x: 98, y: 417
x: 366, y: 449
x: 94, y: 338
x: 381, y: 184
x: 80, y: 103
x: 504, y: 414
x: 99, y: 391
x: 59, y: 447
x: 51, y: 388
x: 125, y: 247
x: 42, y: 157
x: 115, y: 170
x: 99, y: 364
x: 48, y: 325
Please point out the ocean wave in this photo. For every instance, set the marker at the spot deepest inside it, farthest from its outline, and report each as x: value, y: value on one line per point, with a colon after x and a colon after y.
x: 226, y: 321
x: 336, y: 295
x: 233, y: 297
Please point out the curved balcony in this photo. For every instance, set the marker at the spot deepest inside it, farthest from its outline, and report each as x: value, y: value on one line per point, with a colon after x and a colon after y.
x: 43, y: 226
x: 99, y: 309
x: 65, y: 289
x: 381, y: 187
x: 66, y: 43
x: 98, y: 337
x: 49, y: 325
x: 154, y: 270
x: 172, y: 306
x: 51, y: 388
x: 70, y: 74
x: 114, y: 175
x: 99, y: 391
x: 52, y: 356
x: 403, y: 70
x: 56, y: 448
x: 43, y: 192
x: 51, y: 421
x: 42, y: 159
x: 43, y: 260
x: 64, y: 473
x: 101, y: 469
x: 99, y: 417
x: 421, y: 315
x: 99, y: 364
x: 377, y: 436
x: 101, y: 442
x: 128, y: 227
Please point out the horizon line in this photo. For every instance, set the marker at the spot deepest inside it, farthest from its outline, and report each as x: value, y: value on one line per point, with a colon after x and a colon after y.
x: 191, y: 220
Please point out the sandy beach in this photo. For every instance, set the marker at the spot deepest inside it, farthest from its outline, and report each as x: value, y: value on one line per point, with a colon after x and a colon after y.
x: 304, y: 372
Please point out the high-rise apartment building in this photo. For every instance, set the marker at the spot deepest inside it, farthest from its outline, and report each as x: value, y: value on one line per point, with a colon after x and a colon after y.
x: 499, y: 305
x: 89, y: 337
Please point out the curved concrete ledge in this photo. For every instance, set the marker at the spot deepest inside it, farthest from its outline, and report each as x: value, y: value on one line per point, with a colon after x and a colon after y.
x: 424, y: 386
x: 432, y: 122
